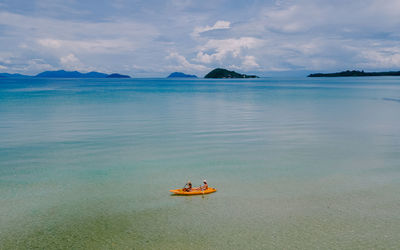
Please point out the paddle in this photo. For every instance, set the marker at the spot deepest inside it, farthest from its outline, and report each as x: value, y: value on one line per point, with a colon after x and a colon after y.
x: 202, y: 190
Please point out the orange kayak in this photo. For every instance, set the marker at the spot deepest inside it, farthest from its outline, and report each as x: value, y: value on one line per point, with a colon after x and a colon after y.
x: 193, y: 192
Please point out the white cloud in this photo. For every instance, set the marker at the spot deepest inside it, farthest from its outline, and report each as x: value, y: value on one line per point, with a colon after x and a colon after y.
x: 112, y: 36
x: 5, y: 57
x: 69, y: 59
x: 332, y: 17
x: 88, y: 46
x: 34, y: 65
x: 71, y: 62
x: 50, y: 43
x: 380, y: 58
x: 3, y: 67
x: 260, y: 35
x: 217, y: 26
x: 183, y: 63
x: 220, y: 49
x: 74, y: 30
x: 287, y: 19
x: 249, y: 62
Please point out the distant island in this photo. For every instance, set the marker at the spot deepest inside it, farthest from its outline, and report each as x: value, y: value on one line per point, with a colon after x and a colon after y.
x: 115, y: 75
x: 180, y: 75
x: 348, y: 73
x: 67, y: 74
x: 224, y: 73
x: 71, y: 74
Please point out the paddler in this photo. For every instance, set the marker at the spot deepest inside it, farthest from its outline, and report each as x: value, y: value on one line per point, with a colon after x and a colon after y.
x: 188, y: 188
x: 205, y: 185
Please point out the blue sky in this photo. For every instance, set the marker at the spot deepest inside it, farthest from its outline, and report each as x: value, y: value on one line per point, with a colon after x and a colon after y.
x: 154, y: 38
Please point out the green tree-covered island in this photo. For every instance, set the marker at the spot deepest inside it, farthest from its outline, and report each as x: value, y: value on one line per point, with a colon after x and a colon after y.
x: 355, y: 73
x: 224, y: 73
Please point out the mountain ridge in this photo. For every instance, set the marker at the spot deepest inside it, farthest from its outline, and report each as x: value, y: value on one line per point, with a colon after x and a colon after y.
x: 71, y: 74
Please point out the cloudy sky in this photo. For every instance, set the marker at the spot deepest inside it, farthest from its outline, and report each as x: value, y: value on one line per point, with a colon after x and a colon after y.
x: 156, y: 37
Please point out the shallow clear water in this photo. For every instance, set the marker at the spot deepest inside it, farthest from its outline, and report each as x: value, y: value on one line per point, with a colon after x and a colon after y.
x: 298, y: 163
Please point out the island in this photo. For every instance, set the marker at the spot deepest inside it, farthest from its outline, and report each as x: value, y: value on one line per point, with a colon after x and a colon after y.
x: 348, y: 73
x: 115, y: 75
x: 180, y: 75
x: 224, y: 73
x: 77, y: 74
x: 71, y: 74
x: 66, y: 74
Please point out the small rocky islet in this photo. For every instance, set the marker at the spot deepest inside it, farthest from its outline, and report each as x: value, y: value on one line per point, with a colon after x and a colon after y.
x: 180, y: 75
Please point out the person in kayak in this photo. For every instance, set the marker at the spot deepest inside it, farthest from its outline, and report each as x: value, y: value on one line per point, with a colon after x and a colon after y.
x: 188, y: 188
x: 205, y: 185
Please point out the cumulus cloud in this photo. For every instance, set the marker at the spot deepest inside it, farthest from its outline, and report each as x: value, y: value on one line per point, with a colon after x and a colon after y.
x: 320, y: 35
x: 332, y: 18
x: 219, y: 25
x: 184, y: 64
x: 217, y: 50
x: 381, y: 58
x: 70, y: 61
x: 34, y: 65
x: 246, y: 63
x: 250, y: 62
x: 102, y: 44
x: 50, y: 43
x: 88, y: 46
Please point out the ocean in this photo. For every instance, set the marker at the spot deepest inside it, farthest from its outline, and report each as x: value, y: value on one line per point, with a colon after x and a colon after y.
x: 299, y: 163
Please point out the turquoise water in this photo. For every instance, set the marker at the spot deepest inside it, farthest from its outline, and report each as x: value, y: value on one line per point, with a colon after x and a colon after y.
x: 298, y: 163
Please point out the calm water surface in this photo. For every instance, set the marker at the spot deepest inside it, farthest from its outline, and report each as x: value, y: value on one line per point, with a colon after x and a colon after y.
x: 298, y: 163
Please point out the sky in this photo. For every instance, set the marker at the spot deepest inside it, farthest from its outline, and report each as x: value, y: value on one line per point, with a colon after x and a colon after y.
x: 155, y: 37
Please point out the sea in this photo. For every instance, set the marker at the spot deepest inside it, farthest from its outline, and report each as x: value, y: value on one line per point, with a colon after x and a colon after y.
x: 299, y: 163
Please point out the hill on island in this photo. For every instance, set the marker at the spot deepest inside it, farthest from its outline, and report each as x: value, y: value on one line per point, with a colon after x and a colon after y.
x: 348, y: 73
x: 115, y: 75
x: 180, y: 75
x: 77, y: 74
x: 71, y: 74
x: 224, y: 73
